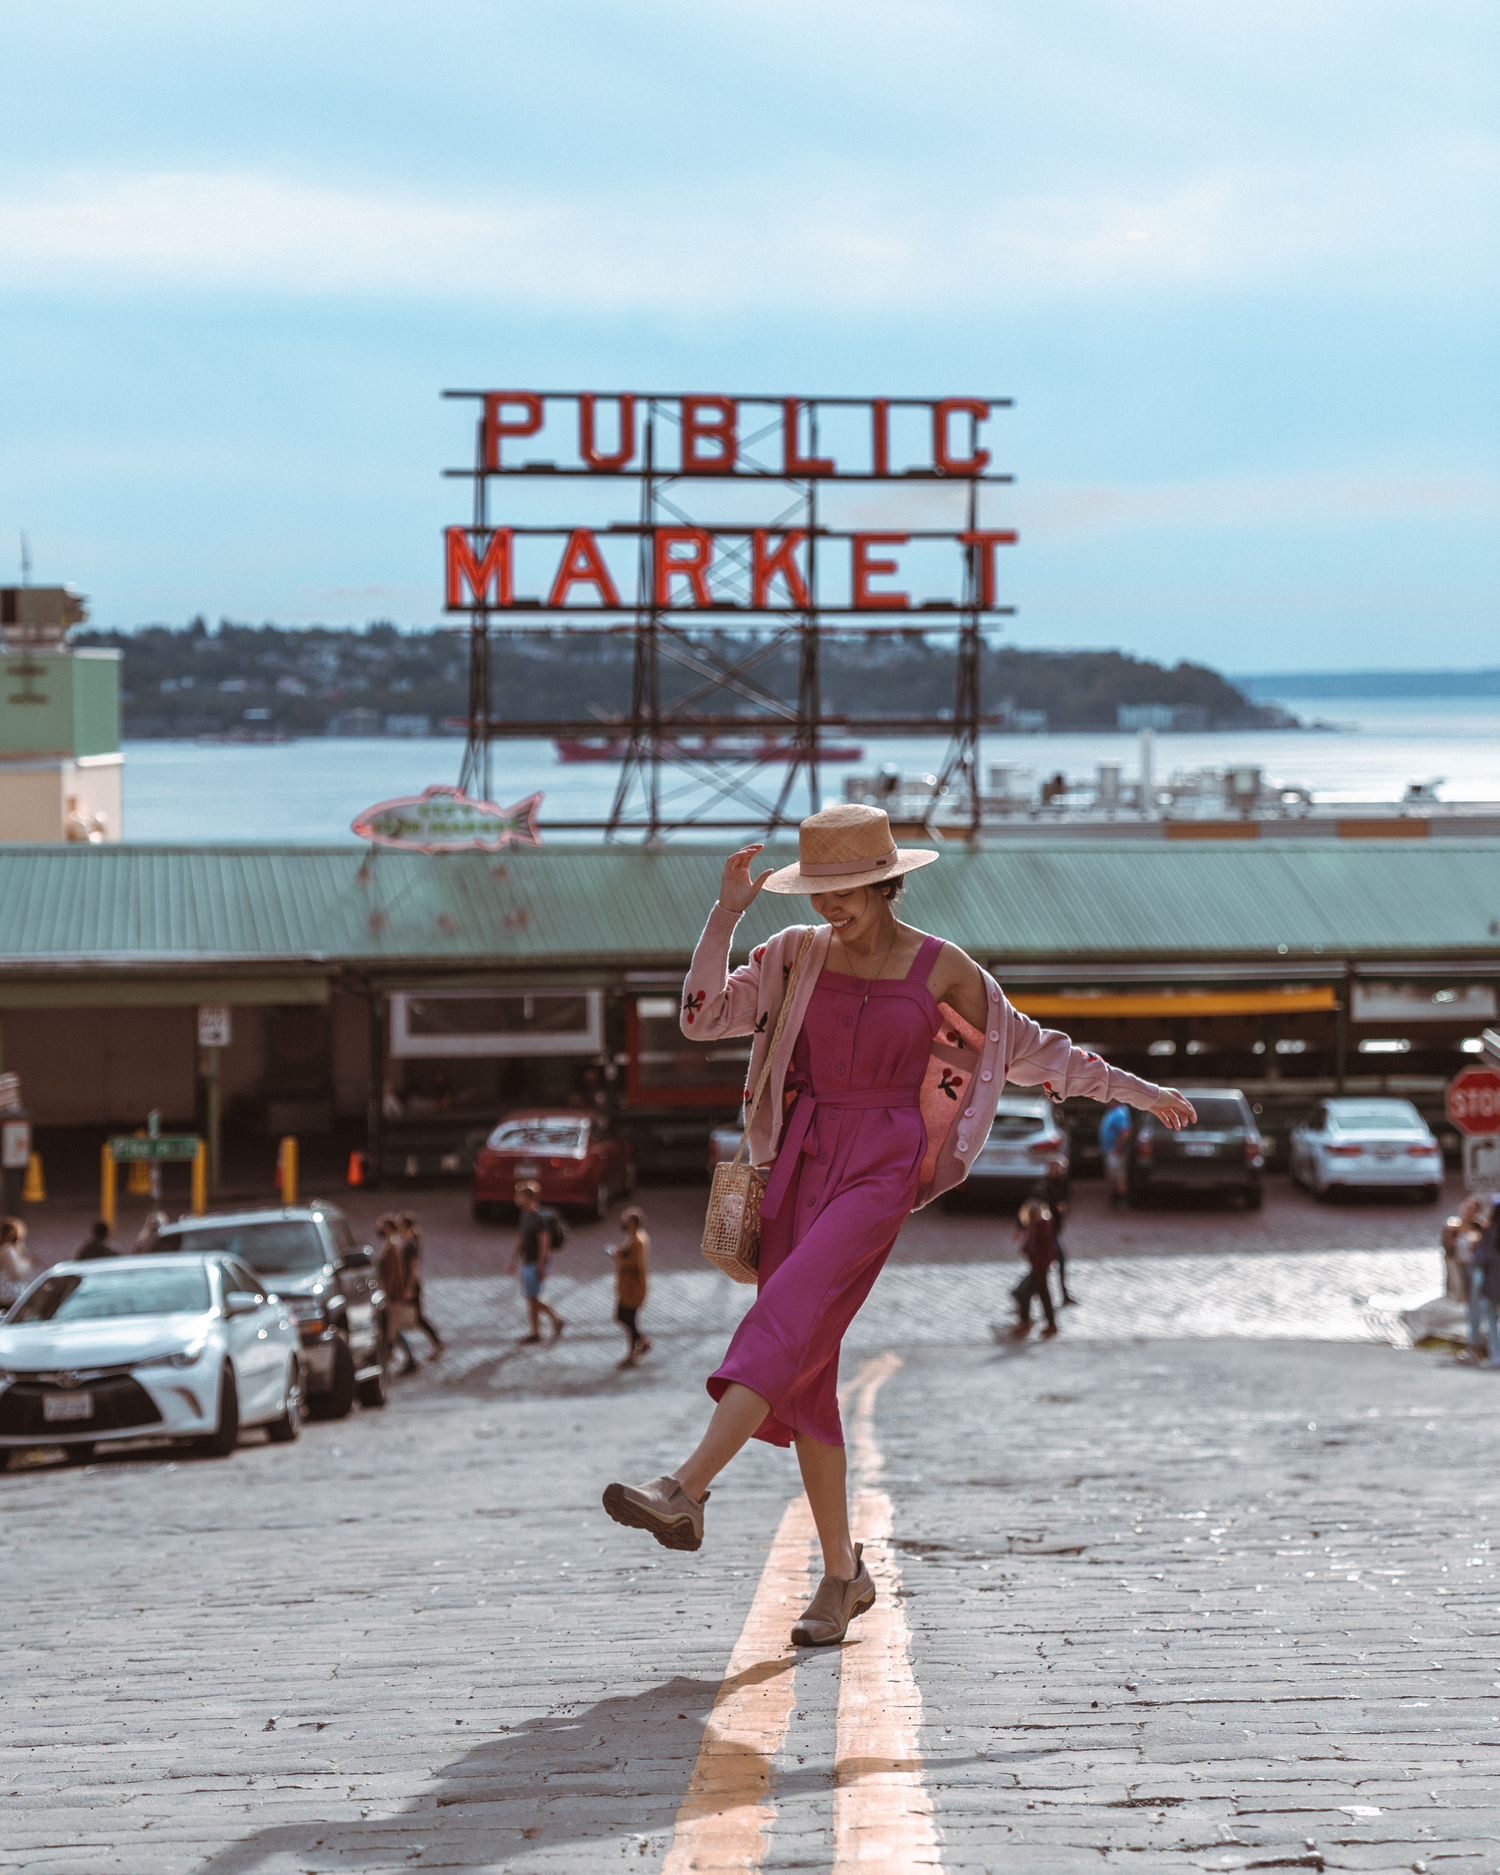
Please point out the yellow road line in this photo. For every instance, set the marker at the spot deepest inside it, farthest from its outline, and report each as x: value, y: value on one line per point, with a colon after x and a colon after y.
x: 724, y: 1818
x: 883, y: 1821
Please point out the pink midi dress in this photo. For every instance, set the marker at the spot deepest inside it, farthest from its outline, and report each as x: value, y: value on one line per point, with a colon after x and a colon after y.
x: 844, y: 1182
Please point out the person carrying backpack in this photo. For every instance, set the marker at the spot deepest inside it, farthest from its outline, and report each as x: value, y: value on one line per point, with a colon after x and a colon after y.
x: 539, y: 1236
x: 1036, y: 1239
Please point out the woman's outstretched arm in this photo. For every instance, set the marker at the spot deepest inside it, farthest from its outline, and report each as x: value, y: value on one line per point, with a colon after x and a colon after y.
x: 714, y: 1001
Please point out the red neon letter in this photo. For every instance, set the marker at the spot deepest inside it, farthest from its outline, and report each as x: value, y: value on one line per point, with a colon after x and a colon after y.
x: 494, y: 569
x: 495, y: 427
x: 984, y: 541
x: 783, y: 560
x: 941, y: 414
x: 865, y: 569
x: 696, y: 431
x: 586, y: 434
x: 694, y: 569
x: 794, y: 463
x: 880, y: 419
x: 582, y: 565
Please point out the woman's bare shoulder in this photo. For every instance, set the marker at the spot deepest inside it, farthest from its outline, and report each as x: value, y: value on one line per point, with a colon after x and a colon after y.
x: 956, y: 979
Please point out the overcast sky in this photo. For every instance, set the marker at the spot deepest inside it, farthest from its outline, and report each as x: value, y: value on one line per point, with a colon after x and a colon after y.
x: 1236, y: 264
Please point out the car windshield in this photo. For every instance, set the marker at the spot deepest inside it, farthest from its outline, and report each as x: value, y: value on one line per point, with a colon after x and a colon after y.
x: 539, y: 1136
x: 277, y: 1247
x: 1215, y: 1113
x: 1382, y: 1115
x: 101, y: 1294
x: 1016, y: 1125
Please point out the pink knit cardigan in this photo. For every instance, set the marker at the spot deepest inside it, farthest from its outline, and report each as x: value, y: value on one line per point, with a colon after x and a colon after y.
x: 966, y: 1071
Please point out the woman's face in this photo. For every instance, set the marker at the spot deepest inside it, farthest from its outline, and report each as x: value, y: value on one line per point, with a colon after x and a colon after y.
x: 853, y: 914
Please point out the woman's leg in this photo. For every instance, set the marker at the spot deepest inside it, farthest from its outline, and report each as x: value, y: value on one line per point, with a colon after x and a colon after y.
x: 736, y: 1420
x: 825, y: 1479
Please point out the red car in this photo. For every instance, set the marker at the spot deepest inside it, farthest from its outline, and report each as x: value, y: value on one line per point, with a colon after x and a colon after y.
x: 576, y: 1158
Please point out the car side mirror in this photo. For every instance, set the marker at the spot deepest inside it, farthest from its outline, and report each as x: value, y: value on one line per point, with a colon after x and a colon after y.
x: 241, y: 1302
x: 355, y: 1260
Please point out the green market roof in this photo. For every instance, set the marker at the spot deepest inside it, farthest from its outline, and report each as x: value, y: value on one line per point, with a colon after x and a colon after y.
x: 320, y: 910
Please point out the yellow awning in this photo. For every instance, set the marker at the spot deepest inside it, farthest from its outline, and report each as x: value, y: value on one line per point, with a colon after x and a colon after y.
x: 1187, y: 1003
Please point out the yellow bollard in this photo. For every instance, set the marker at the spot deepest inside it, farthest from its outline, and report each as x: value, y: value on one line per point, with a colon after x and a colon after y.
x: 200, y: 1180
x: 138, y: 1180
x: 34, y: 1191
x: 107, y: 1185
x: 286, y: 1169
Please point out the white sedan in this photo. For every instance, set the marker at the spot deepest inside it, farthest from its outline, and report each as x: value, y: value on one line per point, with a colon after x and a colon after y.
x: 173, y: 1347
x: 1365, y: 1144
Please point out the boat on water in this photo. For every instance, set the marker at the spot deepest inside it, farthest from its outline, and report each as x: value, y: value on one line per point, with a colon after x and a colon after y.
x: 703, y: 749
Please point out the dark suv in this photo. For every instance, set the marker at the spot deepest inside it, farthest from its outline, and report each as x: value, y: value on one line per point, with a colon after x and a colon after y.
x: 1222, y: 1151
x: 310, y: 1258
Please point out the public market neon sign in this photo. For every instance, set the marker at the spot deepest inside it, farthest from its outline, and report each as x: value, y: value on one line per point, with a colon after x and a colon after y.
x: 656, y: 564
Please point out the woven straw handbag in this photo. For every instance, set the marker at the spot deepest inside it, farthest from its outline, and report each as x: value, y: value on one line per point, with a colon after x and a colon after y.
x: 731, y: 1230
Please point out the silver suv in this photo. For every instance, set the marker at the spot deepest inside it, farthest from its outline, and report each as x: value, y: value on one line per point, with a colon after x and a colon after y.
x: 310, y: 1258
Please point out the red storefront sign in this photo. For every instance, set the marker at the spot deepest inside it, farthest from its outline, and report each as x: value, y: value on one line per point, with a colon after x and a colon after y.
x: 1473, y: 1101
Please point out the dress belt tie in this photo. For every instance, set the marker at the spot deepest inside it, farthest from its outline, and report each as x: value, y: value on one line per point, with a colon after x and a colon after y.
x: 796, y: 1136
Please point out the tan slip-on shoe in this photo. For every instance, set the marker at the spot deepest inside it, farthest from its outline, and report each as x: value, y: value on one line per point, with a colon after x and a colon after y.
x: 826, y: 1618
x: 662, y: 1507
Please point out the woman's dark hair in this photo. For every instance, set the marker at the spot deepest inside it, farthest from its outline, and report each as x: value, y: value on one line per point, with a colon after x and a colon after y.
x: 891, y: 889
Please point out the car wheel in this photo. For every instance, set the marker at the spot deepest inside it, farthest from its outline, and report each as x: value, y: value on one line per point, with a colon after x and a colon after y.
x: 375, y: 1389
x: 482, y: 1211
x: 1255, y: 1197
x: 78, y: 1454
x: 630, y: 1179
x: 1135, y: 1195
x: 282, y: 1431
x: 603, y: 1199
x: 338, y: 1401
x: 221, y: 1443
x: 1429, y: 1194
x: 5, y: 1457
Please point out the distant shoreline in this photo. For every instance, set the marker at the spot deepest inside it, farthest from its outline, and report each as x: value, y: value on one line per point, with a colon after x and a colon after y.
x: 1311, y: 686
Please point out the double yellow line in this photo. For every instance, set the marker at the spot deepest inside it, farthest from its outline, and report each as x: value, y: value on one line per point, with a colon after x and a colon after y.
x: 882, y: 1818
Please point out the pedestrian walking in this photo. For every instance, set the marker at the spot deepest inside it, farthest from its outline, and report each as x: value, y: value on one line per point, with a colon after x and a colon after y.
x: 390, y: 1273
x: 1487, y: 1282
x: 1059, y: 1225
x: 539, y: 1235
x: 882, y: 1085
x: 1114, y: 1150
x: 1036, y: 1239
x: 96, y: 1244
x: 411, y: 1257
x: 146, y: 1239
x: 632, y: 1257
x: 16, y: 1269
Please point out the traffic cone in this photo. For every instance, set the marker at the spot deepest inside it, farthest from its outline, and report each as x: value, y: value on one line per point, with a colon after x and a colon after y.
x: 356, y: 1169
x: 34, y: 1191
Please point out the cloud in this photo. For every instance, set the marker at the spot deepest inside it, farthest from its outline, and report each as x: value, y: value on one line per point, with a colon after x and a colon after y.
x: 1418, y: 218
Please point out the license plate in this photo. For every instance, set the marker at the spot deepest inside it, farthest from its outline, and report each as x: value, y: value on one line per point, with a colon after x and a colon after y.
x: 1385, y: 1152
x: 68, y: 1406
x: 1197, y: 1149
x: 527, y: 1171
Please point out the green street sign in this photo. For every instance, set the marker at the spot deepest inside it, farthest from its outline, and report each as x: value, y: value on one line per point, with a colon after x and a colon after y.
x: 169, y: 1146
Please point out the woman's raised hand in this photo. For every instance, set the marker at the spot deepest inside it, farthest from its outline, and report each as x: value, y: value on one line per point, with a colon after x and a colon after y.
x: 1174, y: 1110
x: 737, y: 890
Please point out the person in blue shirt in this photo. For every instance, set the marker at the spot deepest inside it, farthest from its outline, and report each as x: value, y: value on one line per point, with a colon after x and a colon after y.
x: 1114, y: 1146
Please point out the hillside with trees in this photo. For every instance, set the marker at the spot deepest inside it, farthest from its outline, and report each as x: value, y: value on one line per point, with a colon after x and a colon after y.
x: 251, y: 680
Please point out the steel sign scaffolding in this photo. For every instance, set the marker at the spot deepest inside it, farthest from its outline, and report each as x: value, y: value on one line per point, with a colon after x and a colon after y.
x: 757, y: 590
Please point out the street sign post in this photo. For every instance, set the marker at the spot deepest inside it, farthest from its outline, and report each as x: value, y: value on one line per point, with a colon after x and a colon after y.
x: 15, y: 1144
x: 154, y: 1150
x: 1473, y: 1102
x: 214, y: 1028
x: 124, y: 1148
x: 1482, y: 1162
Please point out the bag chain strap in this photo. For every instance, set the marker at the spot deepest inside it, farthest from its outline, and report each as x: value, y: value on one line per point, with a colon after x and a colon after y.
x: 786, y: 1003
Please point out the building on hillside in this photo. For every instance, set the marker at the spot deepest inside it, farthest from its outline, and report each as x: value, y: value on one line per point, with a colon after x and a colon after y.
x: 61, y: 770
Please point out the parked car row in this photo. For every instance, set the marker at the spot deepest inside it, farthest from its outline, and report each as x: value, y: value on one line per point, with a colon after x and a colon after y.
x: 247, y: 1319
x: 1343, y: 1145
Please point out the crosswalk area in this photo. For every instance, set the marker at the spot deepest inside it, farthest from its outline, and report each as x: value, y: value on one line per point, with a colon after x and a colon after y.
x: 1338, y: 1295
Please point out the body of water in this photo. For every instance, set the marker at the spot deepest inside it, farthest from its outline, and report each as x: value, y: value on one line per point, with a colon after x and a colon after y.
x: 309, y: 792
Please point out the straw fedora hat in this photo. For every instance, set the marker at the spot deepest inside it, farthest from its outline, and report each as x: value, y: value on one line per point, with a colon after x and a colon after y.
x: 846, y: 846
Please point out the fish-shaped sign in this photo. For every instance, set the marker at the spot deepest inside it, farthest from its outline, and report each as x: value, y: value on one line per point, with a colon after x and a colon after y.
x: 446, y: 820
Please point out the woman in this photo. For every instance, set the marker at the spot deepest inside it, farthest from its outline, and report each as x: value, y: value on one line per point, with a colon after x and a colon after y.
x: 895, y: 1050
x: 390, y: 1273
x: 1036, y: 1240
x: 411, y: 1261
x: 631, y: 1258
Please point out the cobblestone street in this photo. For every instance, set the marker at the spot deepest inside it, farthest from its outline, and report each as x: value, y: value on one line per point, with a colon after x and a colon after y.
x: 1206, y: 1583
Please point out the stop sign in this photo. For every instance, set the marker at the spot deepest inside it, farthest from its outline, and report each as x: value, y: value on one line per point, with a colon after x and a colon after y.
x: 1474, y: 1101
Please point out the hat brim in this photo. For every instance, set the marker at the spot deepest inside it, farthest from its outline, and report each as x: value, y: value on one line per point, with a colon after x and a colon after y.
x: 792, y: 880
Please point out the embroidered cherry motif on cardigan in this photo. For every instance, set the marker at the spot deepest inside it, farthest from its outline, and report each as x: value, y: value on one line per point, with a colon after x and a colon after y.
x: 760, y: 1027
x: 692, y: 1004
x: 949, y: 1085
